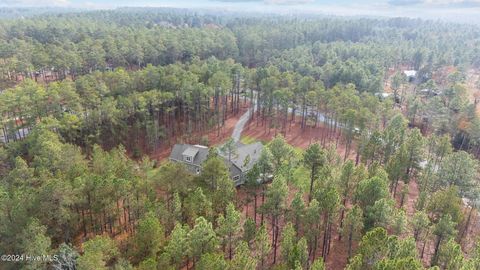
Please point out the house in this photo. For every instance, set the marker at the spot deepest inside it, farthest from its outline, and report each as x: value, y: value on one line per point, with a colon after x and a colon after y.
x: 383, y: 96
x: 3, y: 138
x: 429, y: 92
x: 11, y: 133
x: 245, y: 156
x: 411, y: 74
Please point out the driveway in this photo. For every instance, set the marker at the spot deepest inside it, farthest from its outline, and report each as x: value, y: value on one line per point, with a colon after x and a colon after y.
x: 240, y: 125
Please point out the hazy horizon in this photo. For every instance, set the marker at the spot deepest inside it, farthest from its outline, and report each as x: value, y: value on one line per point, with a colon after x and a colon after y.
x: 465, y: 11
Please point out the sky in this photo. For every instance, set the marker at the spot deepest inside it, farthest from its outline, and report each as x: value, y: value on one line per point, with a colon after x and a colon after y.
x: 452, y: 10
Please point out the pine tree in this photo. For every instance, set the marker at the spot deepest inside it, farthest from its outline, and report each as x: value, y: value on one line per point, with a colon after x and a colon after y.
x: 35, y: 241
x: 445, y: 202
x: 212, y: 261
x: 201, y: 239
x: 243, y: 259
x: 394, y: 135
x: 229, y: 149
x: 301, y: 252
x: 318, y: 265
x: 450, y: 256
x: 347, y: 184
x: 149, y: 238
x: 173, y: 178
x: 249, y: 231
x: 380, y: 214
x: 280, y: 151
x: 296, y: 211
x: 228, y: 229
x: 275, y: 206
x: 176, y: 210
x: 352, y: 230
x: 287, y: 244
x: 444, y: 230
x: 420, y: 223
x: 312, y: 227
x: 459, y: 169
x: 396, y: 168
x: 414, y: 144
x: 262, y: 245
x: 373, y: 247
x: 97, y: 252
x: 177, y: 248
x: 197, y: 205
x: 216, y: 177
x: 148, y: 263
x: 369, y: 191
x: 251, y: 186
x: 399, y: 222
x: 315, y: 159
x: 329, y: 201
x: 265, y: 165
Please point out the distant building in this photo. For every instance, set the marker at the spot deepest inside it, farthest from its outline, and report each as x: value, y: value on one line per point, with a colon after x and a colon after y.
x: 8, y: 134
x: 429, y: 92
x: 193, y: 156
x: 383, y: 95
x: 411, y: 74
x: 3, y: 137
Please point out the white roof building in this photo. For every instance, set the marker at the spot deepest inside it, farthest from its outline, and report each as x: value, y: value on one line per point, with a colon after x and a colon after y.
x: 410, y: 73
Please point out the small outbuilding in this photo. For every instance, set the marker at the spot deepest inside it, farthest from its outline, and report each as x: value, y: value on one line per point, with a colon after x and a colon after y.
x: 411, y: 74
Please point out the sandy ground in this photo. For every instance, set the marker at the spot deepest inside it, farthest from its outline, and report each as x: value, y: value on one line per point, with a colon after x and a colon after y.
x: 295, y: 136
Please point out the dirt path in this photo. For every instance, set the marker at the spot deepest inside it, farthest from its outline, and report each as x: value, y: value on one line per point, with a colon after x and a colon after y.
x: 240, y: 125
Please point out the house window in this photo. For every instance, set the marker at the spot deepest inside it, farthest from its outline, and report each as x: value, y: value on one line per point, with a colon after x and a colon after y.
x: 236, y: 178
x: 188, y: 158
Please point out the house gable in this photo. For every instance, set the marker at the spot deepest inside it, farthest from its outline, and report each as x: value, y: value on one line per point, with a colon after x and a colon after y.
x: 189, y: 154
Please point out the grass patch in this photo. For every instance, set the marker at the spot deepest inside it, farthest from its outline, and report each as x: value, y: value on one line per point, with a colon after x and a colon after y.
x: 247, y: 140
x: 298, y: 151
x: 301, y: 178
x: 151, y: 173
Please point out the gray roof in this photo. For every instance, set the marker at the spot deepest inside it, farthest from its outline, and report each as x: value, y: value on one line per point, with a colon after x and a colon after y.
x: 236, y: 164
x: 180, y: 149
x: 410, y: 73
x: 252, y: 150
x: 191, y: 151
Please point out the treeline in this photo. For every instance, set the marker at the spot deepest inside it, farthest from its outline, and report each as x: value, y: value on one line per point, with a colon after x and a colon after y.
x: 341, y: 50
